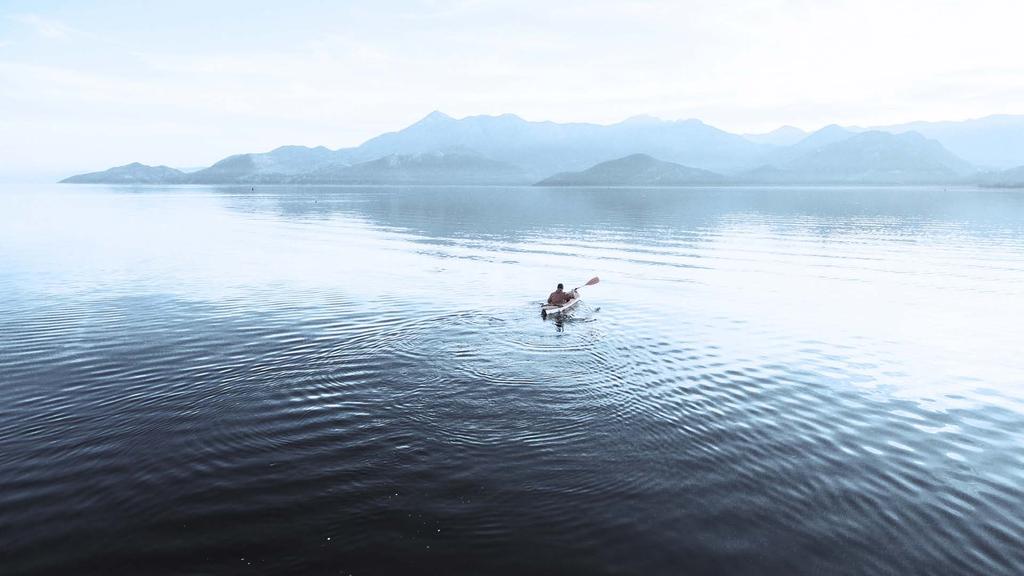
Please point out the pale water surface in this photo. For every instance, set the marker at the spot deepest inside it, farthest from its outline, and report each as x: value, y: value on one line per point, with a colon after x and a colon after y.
x: 357, y: 380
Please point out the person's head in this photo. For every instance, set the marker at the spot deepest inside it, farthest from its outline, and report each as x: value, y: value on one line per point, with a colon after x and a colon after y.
x: 560, y: 286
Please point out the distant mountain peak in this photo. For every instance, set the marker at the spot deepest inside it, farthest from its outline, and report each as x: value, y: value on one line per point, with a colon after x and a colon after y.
x: 298, y: 148
x: 995, y: 141
x: 781, y: 136
x: 634, y: 170
x: 839, y: 155
x: 642, y: 119
x: 134, y: 173
x: 435, y: 116
x: 832, y: 129
x: 636, y: 158
x: 506, y: 119
x: 823, y: 137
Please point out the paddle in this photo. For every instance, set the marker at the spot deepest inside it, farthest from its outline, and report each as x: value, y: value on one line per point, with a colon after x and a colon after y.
x: 590, y: 282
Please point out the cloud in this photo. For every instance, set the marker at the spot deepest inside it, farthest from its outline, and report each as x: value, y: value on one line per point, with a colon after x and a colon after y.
x: 44, y: 27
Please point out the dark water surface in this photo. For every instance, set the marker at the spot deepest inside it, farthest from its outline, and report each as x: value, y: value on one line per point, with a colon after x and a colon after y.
x: 357, y: 380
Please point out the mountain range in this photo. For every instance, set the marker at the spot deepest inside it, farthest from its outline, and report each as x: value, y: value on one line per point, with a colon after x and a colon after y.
x: 642, y: 150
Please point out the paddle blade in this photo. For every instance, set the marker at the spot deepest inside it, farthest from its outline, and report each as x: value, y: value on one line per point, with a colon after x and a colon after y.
x: 592, y: 281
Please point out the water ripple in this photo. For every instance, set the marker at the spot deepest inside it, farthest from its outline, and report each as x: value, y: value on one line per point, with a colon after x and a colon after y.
x: 355, y: 380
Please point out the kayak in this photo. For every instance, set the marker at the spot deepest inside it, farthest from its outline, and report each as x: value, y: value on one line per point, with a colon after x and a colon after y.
x: 548, y: 309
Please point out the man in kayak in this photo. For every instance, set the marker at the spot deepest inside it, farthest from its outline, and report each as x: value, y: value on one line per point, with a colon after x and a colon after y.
x: 558, y: 297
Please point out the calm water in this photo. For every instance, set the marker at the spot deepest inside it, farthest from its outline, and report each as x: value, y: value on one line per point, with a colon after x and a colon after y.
x: 357, y: 380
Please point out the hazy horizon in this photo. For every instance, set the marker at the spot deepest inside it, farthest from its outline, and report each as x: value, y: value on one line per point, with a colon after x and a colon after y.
x: 87, y: 87
x: 53, y: 173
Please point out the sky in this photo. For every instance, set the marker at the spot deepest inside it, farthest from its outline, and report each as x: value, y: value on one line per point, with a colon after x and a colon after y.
x: 89, y: 85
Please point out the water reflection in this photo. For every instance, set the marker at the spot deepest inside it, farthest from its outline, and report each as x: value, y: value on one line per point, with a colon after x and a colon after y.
x: 520, y: 212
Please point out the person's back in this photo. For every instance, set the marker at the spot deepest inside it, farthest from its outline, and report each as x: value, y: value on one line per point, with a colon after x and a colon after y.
x: 559, y: 297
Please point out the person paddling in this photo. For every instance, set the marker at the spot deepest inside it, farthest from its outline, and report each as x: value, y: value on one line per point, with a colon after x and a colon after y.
x: 559, y: 296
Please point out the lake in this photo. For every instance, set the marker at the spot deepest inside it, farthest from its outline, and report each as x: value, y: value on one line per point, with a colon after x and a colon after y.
x: 357, y: 380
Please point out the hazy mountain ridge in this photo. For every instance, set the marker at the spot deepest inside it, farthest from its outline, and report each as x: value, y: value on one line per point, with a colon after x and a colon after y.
x: 635, y: 170
x: 832, y: 155
x: 134, y: 173
x: 507, y: 149
x: 1012, y: 178
x: 270, y: 167
x: 871, y: 157
x: 545, y: 148
x: 423, y: 168
x: 995, y: 141
x: 782, y: 136
x: 808, y: 144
